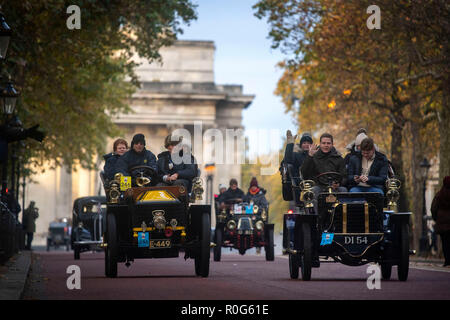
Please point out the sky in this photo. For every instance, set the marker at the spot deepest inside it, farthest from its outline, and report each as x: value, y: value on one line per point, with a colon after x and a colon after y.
x: 243, y: 56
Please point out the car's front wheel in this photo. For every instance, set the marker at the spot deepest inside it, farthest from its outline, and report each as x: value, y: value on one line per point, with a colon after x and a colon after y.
x: 403, y: 265
x: 386, y: 270
x: 111, y: 251
x: 269, y: 247
x: 294, y: 265
x: 202, y: 260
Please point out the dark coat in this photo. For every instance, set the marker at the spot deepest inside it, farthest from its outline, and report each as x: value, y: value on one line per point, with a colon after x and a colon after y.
x: 232, y: 194
x: 294, y: 158
x: 185, y: 170
x: 132, y: 159
x: 377, y: 174
x: 110, y: 165
x: 29, y: 219
x: 440, y: 210
x: 323, y: 162
x: 259, y: 198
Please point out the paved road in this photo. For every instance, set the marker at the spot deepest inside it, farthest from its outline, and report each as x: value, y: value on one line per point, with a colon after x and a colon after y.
x: 236, y: 277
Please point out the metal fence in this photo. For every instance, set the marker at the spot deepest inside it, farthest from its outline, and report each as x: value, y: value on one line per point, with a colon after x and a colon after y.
x: 12, y: 235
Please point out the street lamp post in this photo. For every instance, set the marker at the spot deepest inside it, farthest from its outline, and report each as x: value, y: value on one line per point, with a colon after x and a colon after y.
x: 210, y: 169
x: 5, y: 36
x: 425, y: 167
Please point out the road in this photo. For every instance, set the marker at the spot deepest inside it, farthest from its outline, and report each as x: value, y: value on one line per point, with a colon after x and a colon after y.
x: 235, y: 277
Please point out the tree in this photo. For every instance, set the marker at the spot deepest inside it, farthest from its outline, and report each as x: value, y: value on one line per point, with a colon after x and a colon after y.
x: 346, y: 74
x: 73, y: 81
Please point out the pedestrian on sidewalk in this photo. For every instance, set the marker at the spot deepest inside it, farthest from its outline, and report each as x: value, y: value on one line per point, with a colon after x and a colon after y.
x: 29, y: 222
x: 440, y: 210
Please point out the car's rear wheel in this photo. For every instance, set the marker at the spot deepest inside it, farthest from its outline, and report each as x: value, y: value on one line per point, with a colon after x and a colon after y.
x: 403, y: 265
x: 269, y: 247
x: 218, y: 247
x: 306, y: 257
x: 294, y: 265
x: 202, y: 260
x: 111, y: 251
x: 386, y: 270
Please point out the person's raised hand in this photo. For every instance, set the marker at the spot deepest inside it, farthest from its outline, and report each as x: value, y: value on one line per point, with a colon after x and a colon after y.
x: 312, y: 149
x: 289, y: 137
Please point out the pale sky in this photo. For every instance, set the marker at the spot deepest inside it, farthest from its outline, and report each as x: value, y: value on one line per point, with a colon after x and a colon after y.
x: 243, y: 56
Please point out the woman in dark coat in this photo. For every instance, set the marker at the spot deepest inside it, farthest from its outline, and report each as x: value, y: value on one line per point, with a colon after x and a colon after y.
x: 440, y: 210
x: 119, y: 148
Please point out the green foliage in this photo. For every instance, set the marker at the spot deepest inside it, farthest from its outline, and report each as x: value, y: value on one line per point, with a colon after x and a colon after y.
x: 73, y: 82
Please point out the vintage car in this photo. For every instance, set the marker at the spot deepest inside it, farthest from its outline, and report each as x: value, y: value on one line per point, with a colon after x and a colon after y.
x: 350, y: 228
x: 58, y: 234
x: 242, y: 226
x: 88, y: 224
x: 145, y: 221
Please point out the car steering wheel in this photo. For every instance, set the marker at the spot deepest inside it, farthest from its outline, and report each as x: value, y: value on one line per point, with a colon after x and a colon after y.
x: 145, y: 170
x: 328, y: 178
x: 233, y: 201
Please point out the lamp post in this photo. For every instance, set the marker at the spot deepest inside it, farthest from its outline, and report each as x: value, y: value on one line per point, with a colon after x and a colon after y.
x: 210, y: 169
x: 5, y: 36
x: 425, y: 167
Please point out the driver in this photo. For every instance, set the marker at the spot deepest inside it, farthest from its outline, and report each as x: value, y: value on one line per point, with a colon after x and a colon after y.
x: 256, y: 194
x: 138, y: 155
x: 173, y: 166
x: 233, y: 192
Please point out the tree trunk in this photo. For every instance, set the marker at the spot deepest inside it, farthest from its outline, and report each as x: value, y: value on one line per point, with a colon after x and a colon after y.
x: 396, y: 156
x: 444, y: 131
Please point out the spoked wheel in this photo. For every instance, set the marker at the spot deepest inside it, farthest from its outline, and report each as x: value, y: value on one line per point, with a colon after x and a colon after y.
x: 306, y: 257
x: 218, y: 247
x: 112, y: 250
x: 386, y: 270
x: 202, y: 261
x: 269, y: 247
x: 403, y: 265
x: 294, y: 265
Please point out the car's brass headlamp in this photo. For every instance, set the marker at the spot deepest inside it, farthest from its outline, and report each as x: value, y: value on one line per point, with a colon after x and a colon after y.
x: 307, y: 195
x: 255, y: 208
x: 114, y: 192
x: 197, y: 188
x: 231, y: 225
x: 259, y: 225
x: 264, y: 214
x: 393, y: 195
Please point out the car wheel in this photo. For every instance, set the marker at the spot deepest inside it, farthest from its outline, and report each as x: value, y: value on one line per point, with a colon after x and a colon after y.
x: 294, y: 265
x: 306, y: 257
x: 76, y: 253
x: 386, y: 270
x: 269, y: 247
x: 218, y: 247
x: 202, y: 261
x: 111, y: 251
x: 403, y: 265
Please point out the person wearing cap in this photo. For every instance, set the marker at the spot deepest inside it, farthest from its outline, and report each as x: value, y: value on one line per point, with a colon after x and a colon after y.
x: 138, y: 155
x: 177, y: 165
x: 120, y: 146
x: 233, y: 192
x: 256, y: 194
x: 440, y: 211
x: 354, y: 147
x: 367, y: 169
x: 218, y: 197
x: 293, y: 155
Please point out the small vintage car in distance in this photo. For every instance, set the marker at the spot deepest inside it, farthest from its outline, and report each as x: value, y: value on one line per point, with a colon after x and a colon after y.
x: 145, y: 221
x: 58, y: 234
x: 242, y: 226
x: 88, y: 224
x: 351, y: 228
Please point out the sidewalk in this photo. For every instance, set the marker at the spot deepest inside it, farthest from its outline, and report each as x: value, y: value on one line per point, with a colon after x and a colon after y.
x: 13, y: 276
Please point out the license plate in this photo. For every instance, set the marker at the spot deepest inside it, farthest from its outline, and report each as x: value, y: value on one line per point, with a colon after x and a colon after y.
x: 143, y: 240
x: 249, y: 209
x: 160, y: 244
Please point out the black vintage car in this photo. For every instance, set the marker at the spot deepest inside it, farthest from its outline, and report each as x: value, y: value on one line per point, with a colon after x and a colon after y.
x: 350, y: 228
x: 88, y: 224
x: 58, y: 235
x: 145, y: 221
x: 242, y: 226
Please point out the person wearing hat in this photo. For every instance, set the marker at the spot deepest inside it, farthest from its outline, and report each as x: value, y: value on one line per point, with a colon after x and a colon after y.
x: 233, y: 192
x: 218, y: 197
x: 354, y: 147
x: 30, y: 215
x: 294, y: 155
x: 256, y: 194
x: 138, y: 155
x: 440, y: 211
x: 175, y: 166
